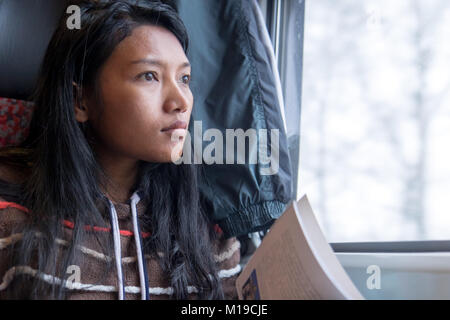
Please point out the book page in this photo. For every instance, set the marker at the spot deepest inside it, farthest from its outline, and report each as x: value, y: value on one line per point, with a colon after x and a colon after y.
x: 323, y: 251
x: 286, y: 266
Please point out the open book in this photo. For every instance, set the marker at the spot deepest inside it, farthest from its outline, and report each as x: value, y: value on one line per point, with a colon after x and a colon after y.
x: 294, y: 261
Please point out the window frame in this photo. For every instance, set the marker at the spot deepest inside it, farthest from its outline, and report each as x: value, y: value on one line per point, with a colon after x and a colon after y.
x: 276, y: 13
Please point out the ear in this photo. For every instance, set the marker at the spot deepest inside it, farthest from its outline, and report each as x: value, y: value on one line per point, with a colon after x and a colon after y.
x: 80, y: 106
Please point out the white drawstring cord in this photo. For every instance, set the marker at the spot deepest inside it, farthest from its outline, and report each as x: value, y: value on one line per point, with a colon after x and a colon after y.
x: 134, y: 200
x: 117, y: 249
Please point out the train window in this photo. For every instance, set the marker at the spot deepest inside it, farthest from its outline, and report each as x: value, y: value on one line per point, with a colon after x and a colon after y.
x: 375, y: 118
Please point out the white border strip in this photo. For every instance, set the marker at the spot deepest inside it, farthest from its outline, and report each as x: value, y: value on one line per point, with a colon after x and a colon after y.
x: 5, y: 242
x: 26, y: 270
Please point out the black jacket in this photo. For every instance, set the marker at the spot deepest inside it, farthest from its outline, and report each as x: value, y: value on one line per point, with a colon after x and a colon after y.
x: 234, y: 87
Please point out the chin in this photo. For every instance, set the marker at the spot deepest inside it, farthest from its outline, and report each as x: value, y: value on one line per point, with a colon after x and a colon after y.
x: 166, y: 155
x: 176, y: 153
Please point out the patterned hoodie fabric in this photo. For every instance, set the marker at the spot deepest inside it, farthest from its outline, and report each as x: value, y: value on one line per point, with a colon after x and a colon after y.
x: 134, y: 276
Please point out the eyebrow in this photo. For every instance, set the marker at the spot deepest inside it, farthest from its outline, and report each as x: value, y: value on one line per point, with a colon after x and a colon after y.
x: 158, y: 63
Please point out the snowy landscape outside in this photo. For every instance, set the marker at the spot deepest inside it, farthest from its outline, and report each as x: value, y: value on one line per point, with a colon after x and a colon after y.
x: 375, y: 119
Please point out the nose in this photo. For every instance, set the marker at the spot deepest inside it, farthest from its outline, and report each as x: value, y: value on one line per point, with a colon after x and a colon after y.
x: 177, y: 98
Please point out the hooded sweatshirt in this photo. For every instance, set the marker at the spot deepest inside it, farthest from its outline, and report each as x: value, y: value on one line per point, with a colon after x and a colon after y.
x: 135, y: 275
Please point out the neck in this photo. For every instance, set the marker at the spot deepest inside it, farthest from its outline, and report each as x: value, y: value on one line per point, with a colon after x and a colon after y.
x: 121, y: 176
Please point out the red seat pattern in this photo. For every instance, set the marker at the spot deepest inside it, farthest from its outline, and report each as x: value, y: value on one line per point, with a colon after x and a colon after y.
x: 15, y: 116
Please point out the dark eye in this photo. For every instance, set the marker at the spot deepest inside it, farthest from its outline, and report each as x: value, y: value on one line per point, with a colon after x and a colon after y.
x: 186, y: 79
x: 148, y: 76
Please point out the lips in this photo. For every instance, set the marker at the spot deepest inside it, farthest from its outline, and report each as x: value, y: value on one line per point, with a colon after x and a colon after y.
x: 176, y: 125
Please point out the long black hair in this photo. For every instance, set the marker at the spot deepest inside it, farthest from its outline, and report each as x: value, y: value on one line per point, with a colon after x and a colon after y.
x: 66, y: 179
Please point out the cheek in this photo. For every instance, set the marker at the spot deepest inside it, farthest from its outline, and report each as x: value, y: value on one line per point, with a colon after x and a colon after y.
x: 125, y: 116
x: 130, y: 125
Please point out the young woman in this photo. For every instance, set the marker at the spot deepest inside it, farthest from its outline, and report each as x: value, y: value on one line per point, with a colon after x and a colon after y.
x: 92, y: 205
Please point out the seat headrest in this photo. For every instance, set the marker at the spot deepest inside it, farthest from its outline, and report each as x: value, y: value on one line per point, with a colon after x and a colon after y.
x: 26, y: 28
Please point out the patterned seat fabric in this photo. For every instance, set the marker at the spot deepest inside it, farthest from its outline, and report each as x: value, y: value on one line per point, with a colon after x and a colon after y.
x: 15, y: 116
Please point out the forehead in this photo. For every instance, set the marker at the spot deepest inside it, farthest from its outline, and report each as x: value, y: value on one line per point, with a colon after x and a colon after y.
x: 149, y: 41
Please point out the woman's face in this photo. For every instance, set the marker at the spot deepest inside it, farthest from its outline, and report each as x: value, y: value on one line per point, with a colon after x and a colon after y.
x: 144, y: 87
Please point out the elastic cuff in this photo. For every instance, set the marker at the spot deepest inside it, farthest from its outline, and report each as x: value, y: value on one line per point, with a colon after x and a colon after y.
x: 252, y: 218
